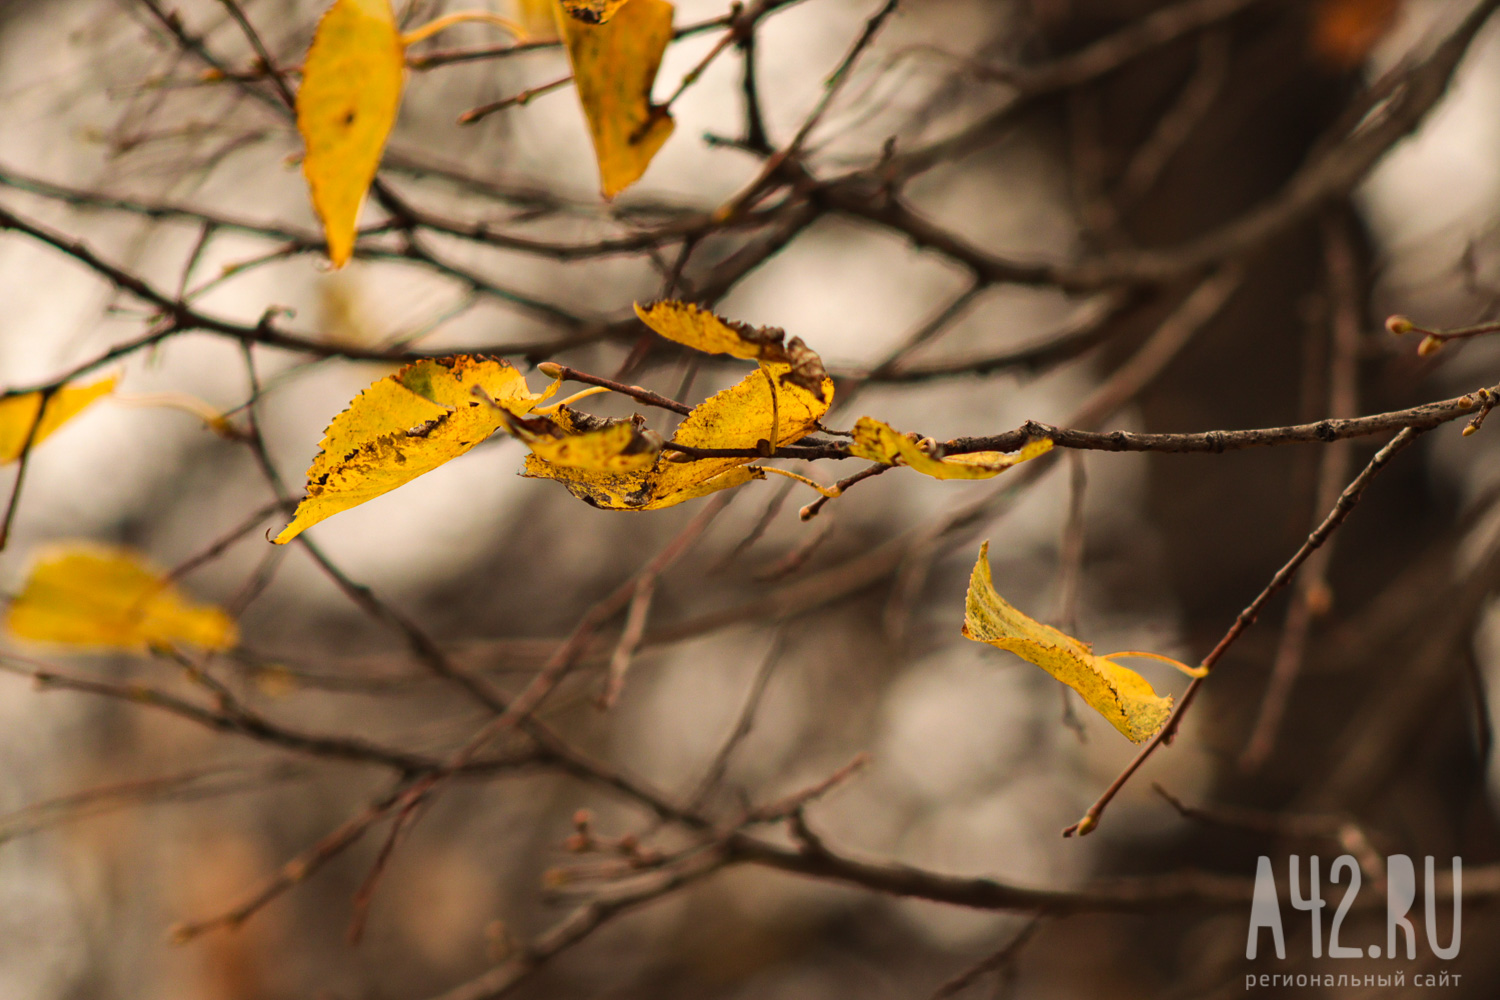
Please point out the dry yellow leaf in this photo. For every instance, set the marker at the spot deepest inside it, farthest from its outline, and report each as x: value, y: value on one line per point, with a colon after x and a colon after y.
x: 606, y: 450
x: 346, y: 107
x: 592, y: 11
x: 17, y: 413
x: 694, y: 327
x: 614, y: 68
x: 579, y: 441
x: 102, y: 597
x: 882, y: 443
x: 1120, y: 695
x: 740, y: 417
x: 405, y: 425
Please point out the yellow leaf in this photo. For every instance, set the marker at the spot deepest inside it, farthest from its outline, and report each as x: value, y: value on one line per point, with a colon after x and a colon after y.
x: 882, y: 443
x: 1120, y: 695
x: 592, y: 11
x: 702, y: 330
x: 537, y: 19
x: 101, y: 597
x: 740, y: 417
x: 18, y: 412
x: 579, y: 441
x: 405, y: 425
x: 614, y: 67
x: 346, y: 107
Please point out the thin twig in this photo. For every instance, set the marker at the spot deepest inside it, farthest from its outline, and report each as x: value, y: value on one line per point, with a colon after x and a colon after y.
x: 24, y: 460
x: 1000, y: 960
x: 554, y: 370
x: 1341, y: 510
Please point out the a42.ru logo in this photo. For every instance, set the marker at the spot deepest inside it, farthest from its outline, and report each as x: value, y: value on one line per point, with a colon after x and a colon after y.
x: 1400, y: 895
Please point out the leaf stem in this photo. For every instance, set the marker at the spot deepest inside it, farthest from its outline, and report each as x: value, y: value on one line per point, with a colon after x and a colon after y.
x: 1190, y: 671
x: 432, y: 27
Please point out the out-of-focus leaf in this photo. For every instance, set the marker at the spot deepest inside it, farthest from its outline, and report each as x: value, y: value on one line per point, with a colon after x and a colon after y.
x: 347, y: 104
x: 1345, y: 31
x: 17, y: 413
x: 101, y: 597
x: 1120, y: 695
x: 614, y: 68
x: 694, y: 327
x: 537, y: 18
x: 882, y: 443
x: 592, y: 11
x: 405, y: 425
x: 740, y: 417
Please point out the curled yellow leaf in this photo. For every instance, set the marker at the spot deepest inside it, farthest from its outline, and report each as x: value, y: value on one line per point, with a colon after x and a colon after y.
x: 880, y: 442
x: 18, y: 413
x: 576, y: 440
x: 702, y: 330
x: 614, y: 69
x: 346, y: 107
x: 405, y: 425
x: 741, y: 417
x: 1119, y: 694
x: 102, y: 597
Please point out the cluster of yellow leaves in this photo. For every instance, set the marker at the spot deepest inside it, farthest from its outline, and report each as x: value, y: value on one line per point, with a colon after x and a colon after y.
x: 433, y: 411
x: 405, y: 425
x: 741, y: 417
x: 102, y: 597
x: 778, y: 404
x: 18, y: 413
x: 355, y: 71
x: 1121, y: 695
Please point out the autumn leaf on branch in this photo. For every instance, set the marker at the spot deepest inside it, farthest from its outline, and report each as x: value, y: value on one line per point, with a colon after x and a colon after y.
x: 614, y: 69
x: 102, y: 597
x: 1119, y: 694
x: 572, y: 439
x: 352, y: 83
x: 405, y: 425
x: 695, y: 327
x: 18, y: 413
x: 880, y: 442
x: 741, y: 417
x: 346, y: 107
